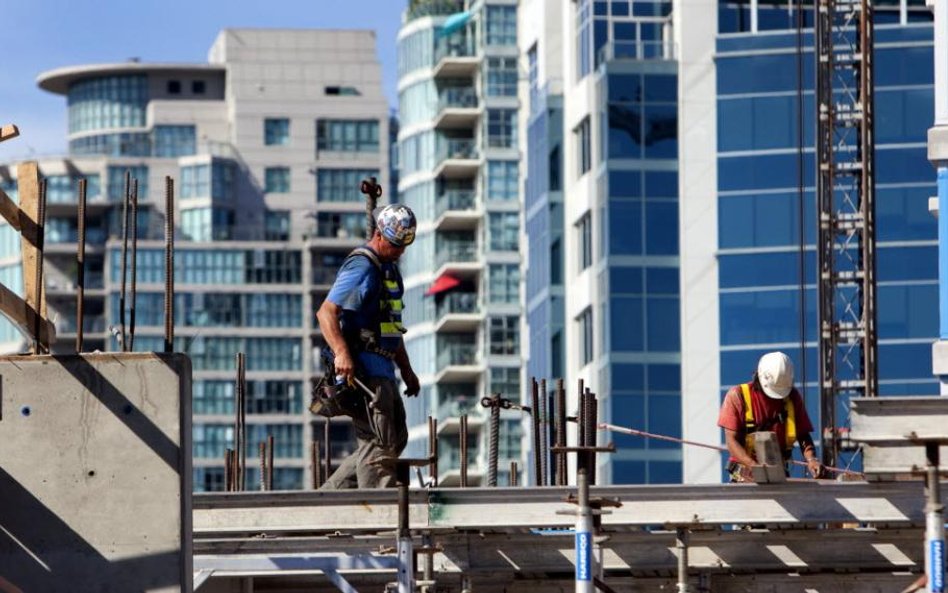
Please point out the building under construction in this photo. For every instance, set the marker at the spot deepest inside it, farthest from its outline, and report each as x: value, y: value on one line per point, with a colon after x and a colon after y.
x: 765, y: 168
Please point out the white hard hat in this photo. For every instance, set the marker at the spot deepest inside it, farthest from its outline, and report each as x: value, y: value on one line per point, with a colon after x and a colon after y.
x: 775, y: 373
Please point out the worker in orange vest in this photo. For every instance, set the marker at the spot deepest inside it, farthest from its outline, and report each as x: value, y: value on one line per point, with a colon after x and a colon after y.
x: 769, y: 402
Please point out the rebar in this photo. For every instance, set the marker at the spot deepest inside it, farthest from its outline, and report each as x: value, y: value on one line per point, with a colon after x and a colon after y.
x: 560, y: 427
x: 228, y: 470
x: 262, y: 451
x: 314, y: 460
x: 494, y: 440
x: 169, y: 264
x: 463, y: 447
x: 124, y: 259
x: 81, y: 265
x: 514, y: 472
x: 433, y: 449
x: 40, y: 240
x: 544, y: 433
x: 131, y: 313
x: 535, y: 421
x: 242, y: 417
x: 269, y: 462
x: 327, y: 448
x: 373, y: 192
x: 592, y: 419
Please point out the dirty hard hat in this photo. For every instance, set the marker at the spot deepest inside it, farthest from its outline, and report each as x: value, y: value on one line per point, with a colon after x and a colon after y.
x: 775, y: 373
x: 396, y: 223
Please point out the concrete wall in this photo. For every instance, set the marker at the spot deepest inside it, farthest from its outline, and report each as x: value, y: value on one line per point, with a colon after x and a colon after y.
x: 95, y: 473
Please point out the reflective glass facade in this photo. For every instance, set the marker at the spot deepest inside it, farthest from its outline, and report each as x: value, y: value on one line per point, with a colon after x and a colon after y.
x: 107, y: 102
x: 765, y: 304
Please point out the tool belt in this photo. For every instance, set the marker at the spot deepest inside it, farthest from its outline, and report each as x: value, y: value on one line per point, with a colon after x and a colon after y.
x: 330, y: 398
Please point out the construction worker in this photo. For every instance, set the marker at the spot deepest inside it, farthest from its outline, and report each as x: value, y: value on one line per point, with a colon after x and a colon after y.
x: 769, y: 402
x: 361, y: 320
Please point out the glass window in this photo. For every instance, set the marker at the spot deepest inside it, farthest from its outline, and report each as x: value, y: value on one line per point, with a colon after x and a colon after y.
x: 661, y: 227
x: 502, y: 128
x: 504, y: 283
x: 627, y: 323
x: 532, y: 78
x: 502, y: 180
x: 174, y: 87
x: 501, y: 25
x: 340, y: 224
x: 416, y: 51
x: 116, y: 182
x: 583, y: 38
x: 584, y: 234
x: 500, y: 77
x: 583, y: 137
x: 585, y: 331
x: 119, y: 144
x: 276, y: 180
x: 174, y: 141
x: 342, y: 185
x: 346, y: 135
x: 505, y: 381
x: 505, y: 335
x: 198, y: 87
x: 195, y: 181
x: 207, y: 224
x: 107, y: 102
x: 276, y: 131
x: 276, y: 225
x: 504, y: 231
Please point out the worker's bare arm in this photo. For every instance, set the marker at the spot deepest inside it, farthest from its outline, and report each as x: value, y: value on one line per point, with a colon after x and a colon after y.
x: 328, y: 318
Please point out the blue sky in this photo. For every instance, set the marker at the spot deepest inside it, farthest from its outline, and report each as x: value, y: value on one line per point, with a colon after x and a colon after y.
x: 42, y: 35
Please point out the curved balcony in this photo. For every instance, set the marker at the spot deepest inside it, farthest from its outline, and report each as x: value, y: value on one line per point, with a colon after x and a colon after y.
x: 457, y: 108
x: 457, y: 158
x: 422, y: 8
x: 456, y: 209
x: 449, y: 468
x: 455, y: 57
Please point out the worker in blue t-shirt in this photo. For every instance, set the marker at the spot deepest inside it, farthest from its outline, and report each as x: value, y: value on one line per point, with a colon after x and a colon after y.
x: 361, y: 320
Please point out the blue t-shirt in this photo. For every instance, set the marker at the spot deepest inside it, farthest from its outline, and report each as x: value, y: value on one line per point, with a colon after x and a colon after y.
x: 356, y: 290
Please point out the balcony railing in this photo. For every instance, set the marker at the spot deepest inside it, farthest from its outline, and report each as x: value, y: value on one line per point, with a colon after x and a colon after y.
x: 457, y: 407
x: 457, y: 355
x: 464, y: 148
x: 420, y: 8
x: 457, y: 302
x: 456, y: 251
x: 458, y: 97
x: 454, y: 199
x: 454, y: 46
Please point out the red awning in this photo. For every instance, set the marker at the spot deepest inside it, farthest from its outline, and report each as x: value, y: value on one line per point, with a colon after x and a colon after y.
x: 442, y: 283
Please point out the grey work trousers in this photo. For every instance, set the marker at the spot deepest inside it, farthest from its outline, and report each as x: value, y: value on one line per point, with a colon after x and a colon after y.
x: 381, y: 434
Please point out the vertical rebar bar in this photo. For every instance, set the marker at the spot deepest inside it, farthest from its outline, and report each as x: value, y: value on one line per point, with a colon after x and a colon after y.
x: 124, y: 260
x: 40, y: 240
x: 560, y: 432
x: 237, y: 444
x: 591, y: 434
x: 228, y: 470
x: 463, y: 447
x: 545, y: 432
x: 314, y: 460
x: 269, y: 462
x: 494, y: 436
x: 262, y: 451
x: 535, y: 421
x: 242, y: 397
x: 169, y: 264
x: 131, y: 313
x: 327, y: 449
x: 372, y: 192
x: 433, y: 449
x: 81, y: 265
x: 514, y: 473
x: 581, y: 428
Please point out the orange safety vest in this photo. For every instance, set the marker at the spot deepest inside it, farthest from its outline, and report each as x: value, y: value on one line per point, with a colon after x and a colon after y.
x: 750, y: 425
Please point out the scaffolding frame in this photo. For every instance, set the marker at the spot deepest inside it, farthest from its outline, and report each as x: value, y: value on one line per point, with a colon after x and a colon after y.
x: 846, y: 207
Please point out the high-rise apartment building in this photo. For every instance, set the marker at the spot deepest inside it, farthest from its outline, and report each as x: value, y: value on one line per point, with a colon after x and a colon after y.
x: 687, y: 173
x: 267, y: 144
x: 459, y: 166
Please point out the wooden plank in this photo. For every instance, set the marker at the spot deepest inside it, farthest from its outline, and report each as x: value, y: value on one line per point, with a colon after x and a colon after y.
x: 15, y: 309
x: 8, y: 132
x: 27, y: 178
x: 9, y: 210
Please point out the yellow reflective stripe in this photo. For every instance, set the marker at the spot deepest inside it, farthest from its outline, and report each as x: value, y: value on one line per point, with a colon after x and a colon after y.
x: 391, y: 328
x: 391, y: 284
x: 395, y: 305
x: 791, y: 424
x: 748, y: 418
